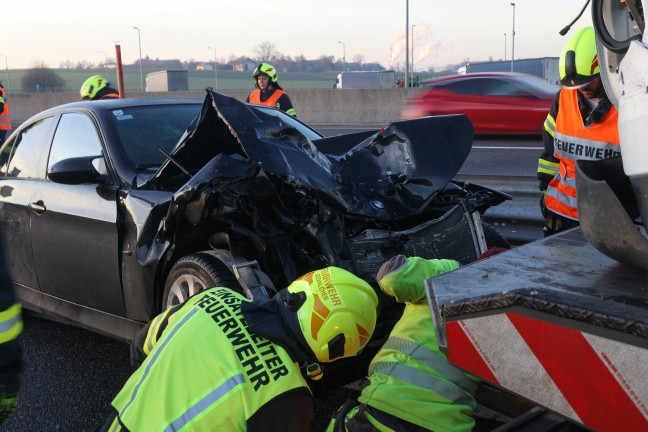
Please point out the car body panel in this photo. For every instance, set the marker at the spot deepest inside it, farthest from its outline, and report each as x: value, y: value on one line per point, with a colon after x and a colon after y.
x: 75, y: 245
x: 495, y: 103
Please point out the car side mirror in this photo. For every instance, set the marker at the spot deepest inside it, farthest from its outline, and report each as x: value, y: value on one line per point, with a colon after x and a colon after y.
x: 77, y: 170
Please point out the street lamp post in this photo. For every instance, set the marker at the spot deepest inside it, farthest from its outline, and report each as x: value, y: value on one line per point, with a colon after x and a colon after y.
x: 413, y: 25
x: 6, y: 70
x: 215, y: 69
x: 513, y: 39
x: 504, y: 46
x: 343, y: 56
x: 406, y: 43
x: 139, y: 40
x: 105, y: 61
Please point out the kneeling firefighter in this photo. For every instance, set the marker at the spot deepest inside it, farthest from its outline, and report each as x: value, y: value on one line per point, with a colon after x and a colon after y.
x: 412, y: 386
x: 222, y: 362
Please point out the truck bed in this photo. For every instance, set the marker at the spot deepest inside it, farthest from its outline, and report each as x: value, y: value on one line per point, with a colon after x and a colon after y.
x: 555, y: 322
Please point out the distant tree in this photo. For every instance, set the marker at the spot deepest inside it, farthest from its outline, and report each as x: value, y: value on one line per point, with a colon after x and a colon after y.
x: 282, y: 62
x: 84, y: 64
x: 358, y: 58
x: 40, y: 78
x: 67, y: 64
x: 170, y: 64
x: 327, y: 62
x: 300, y: 63
x: 266, y: 51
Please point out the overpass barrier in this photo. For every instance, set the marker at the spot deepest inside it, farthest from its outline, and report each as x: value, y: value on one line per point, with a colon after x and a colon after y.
x: 315, y: 107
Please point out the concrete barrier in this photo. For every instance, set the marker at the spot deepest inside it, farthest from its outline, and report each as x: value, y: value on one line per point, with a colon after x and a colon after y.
x: 318, y: 106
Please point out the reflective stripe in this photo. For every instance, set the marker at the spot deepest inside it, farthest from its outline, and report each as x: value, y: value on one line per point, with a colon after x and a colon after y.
x: 154, y: 358
x: 423, y: 380
x: 429, y: 358
x: 561, y: 204
x: 10, y: 323
x: 547, y: 167
x: 205, y: 403
x: 151, y: 336
x: 292, y: 112
x: 571, y: 147
x: 115, y: 426
x: 550, y: 125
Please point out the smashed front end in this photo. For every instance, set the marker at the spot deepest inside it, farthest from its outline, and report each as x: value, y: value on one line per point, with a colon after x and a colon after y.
x: 293, y: 208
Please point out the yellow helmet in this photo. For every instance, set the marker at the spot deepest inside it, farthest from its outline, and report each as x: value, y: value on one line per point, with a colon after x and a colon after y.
x: 92, y: 85
x: 578, y: 64
x: 336, y: 311
x: 265, y: 69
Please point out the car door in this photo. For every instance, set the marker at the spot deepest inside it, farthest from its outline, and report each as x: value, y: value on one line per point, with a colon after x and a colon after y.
x: 74, y: 230
x: 492, y: 103
x: 21, y: 163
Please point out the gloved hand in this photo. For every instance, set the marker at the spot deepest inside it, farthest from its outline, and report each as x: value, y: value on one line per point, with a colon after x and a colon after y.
x: 403, y: 278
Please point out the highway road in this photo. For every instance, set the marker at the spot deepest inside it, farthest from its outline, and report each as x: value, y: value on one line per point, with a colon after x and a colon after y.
x: 71, y: 375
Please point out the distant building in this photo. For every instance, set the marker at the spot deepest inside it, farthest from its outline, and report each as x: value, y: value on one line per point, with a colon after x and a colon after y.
x: 544, y: 67
x: 244, y: 65
x: 204, y: 66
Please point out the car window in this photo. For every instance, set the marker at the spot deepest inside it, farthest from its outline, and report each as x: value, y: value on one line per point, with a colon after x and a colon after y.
x: 75, y: 136
x: 20, y: 157
x: 501, y: 87
x: 143, y: 129
x: 486, y: 87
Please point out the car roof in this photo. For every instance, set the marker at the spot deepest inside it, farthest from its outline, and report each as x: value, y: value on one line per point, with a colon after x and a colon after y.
x: 111, y: 104
x: 458, y: 77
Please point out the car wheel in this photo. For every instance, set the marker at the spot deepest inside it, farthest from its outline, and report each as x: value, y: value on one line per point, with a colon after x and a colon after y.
x: 192, y: 274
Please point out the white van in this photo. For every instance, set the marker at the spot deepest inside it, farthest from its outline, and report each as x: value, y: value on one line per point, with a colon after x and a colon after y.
x: 365, y: 80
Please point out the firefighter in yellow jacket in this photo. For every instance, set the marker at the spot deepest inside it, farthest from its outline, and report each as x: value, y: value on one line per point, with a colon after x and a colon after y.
x: 220, y: 362
x: 582, y: 124
x: 268, y: 92
x: 412, y: 386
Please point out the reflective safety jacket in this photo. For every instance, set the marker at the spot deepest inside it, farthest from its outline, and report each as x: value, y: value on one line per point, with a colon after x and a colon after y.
x: 274, y: 98
x: 5, y: 121
x: 411, y: 378
x: 574, y: 140
x: 206, y: 372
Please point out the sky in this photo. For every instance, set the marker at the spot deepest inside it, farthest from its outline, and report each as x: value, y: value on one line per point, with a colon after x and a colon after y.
x: 445, y: 32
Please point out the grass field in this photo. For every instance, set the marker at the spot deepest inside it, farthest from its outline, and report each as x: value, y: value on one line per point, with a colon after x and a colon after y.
x: 198, y: 80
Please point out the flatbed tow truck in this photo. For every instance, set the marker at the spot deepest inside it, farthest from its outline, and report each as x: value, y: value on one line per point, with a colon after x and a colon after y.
x: 557, y: 329
x: 557, y: 323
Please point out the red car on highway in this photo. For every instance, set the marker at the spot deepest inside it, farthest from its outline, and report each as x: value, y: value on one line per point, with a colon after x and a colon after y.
x: 495, y: 102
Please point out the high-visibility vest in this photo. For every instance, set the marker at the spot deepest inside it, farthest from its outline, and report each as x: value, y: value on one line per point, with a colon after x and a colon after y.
x: 410, y: 378
x: 207, y: 371
x: 255, y: 98
x: 574, y: 141
x: 5, y: 121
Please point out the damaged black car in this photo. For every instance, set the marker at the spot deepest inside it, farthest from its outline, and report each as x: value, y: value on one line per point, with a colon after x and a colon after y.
x: 115, y: 210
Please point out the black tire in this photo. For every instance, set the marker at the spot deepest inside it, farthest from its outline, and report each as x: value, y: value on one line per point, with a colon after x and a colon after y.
x: 494, y: 238
x: 192, y: 274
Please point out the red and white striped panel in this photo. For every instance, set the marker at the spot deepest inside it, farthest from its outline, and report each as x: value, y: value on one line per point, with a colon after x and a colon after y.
x: 595, y: 381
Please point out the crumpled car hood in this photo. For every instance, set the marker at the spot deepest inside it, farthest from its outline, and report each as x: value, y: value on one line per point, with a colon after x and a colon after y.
x: 391, y: 174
